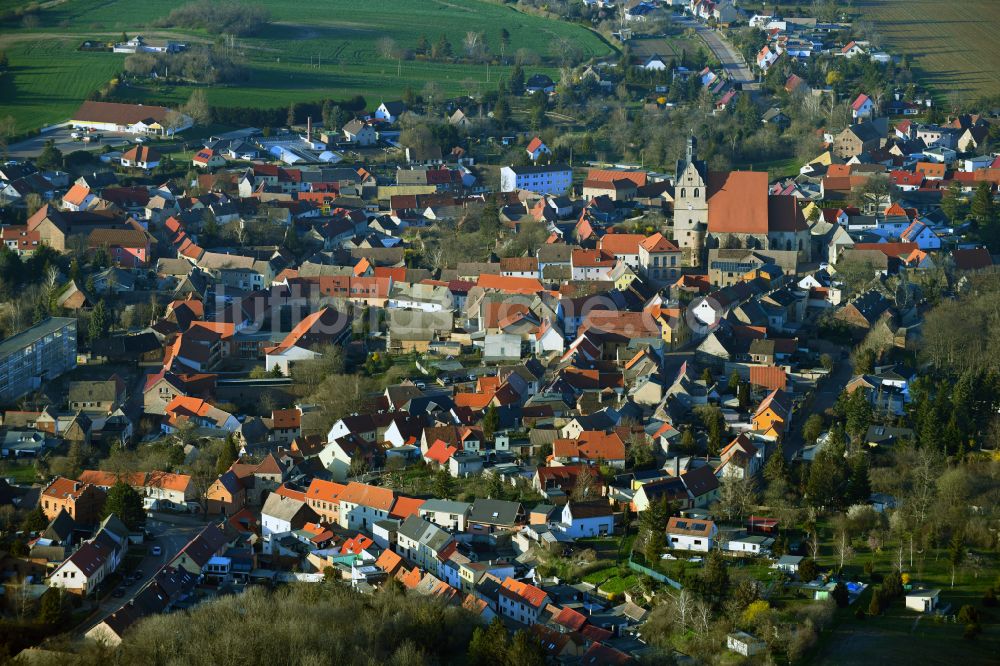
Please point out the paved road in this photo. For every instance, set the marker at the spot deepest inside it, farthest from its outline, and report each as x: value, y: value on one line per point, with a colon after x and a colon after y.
x: 170, y: 533
x: 823, y: 399
x: 732, y: 61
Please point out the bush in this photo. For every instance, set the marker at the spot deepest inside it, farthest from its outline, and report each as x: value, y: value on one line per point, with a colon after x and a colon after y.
x: 990, y: 598
x: 840, y: 595
x: 232, y: 18
x: 968, y: 614
x: 970, y: 631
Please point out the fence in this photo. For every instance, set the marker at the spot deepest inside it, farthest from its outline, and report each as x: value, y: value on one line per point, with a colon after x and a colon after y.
x: 655, y: 575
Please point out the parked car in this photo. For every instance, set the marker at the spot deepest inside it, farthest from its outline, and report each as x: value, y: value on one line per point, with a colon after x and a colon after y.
x: 156, y: 551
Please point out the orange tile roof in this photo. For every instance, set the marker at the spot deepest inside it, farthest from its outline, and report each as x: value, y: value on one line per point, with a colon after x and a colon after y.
x: 324, y: 491
x: 286, y: 418
x: 290, y: 493
x: 658, y: 243
x: 474, y: 401
x: 76, y: 194
x: 61, y: 487
x: 611, y: 175
x: 440, y: 452
x: 768, y: 377
x: 389, y: 562
x: 356, y: 544
x: 513, y: 285
x: 406, y: 507
x: 371, y: 496
x: 524, y: 592
x: 618, y: 244
x: 591, y: 445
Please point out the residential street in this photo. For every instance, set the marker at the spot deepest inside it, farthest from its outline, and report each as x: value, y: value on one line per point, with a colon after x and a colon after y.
x: 171, y: 533
x: 824, y: 399
x: 731, y: 60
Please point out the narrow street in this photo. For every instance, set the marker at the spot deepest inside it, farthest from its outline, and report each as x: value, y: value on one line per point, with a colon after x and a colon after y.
x: 824, y: 399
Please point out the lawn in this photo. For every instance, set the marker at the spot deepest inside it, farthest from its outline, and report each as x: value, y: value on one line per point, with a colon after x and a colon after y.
x: 896, y: 632
x: 18, y: 472
x: 310, y: 52
x: 48, y: 79
x: 952, y: 46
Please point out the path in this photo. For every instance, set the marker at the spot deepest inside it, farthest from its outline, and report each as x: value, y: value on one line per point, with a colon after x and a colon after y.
x: 732, y: 62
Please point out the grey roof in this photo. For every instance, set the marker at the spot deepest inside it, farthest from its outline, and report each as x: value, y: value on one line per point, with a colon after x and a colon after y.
x: 445, y: 506
x: 495, y: 512
x: 32, y: 335
x: 425, y: 532
x: 280, y: 507
x: 99, y: 391
x: 115, y: 525
x: 546, y: 168
x: 60, y: 528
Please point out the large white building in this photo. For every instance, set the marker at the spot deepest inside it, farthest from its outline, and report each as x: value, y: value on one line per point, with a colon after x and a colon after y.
x: 132, y: 118
x: 548, y: 179
x: 36, y: 356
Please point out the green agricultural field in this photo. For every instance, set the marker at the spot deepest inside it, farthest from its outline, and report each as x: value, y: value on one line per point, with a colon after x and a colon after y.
x: 952, y: 46
x: 311, y: 51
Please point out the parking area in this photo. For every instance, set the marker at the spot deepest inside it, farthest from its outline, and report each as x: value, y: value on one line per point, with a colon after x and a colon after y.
x: 67, y: 143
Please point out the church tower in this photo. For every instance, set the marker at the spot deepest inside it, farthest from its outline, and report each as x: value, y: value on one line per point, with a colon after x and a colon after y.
x: 690, y: 204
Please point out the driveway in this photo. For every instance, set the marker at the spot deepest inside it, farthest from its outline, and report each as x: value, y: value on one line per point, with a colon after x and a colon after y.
x: 171, y: 533
x: 732, y: 62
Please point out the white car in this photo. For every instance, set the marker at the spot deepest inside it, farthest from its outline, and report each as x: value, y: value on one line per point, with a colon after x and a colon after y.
x: 156, y: 551
x: 140, y: 139
x: 74, y: 135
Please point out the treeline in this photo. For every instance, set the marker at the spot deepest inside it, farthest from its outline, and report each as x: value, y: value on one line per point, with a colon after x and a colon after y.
x: 960, y: 335
x: 198, y: 64
x: 293, y: 625
x: 221, y: 18
x: 297, y: 112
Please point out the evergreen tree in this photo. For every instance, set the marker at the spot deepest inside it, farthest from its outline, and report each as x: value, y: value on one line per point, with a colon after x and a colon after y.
x: 227, y: 455
x: 826, y: 478
x: 734, y: 382
x: 776, y: 468
x: 859, y: 488
x: 444, y: 485
x: 687, y: 441
x: 812, y: 428
x: 55, y: 608
x: 488, y: 646
x: 516, y: 83
x: 501, y: 111
x: 50, y: 157
x: 125, y: 502
x: 35, y: 520
x: 491, y: 421
x: 743, y: 395
x: 983, y: 209
x: 525, y: 650
x: 99, y: 323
